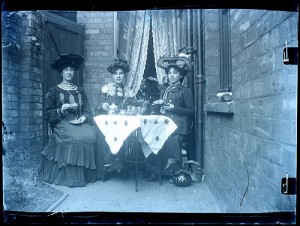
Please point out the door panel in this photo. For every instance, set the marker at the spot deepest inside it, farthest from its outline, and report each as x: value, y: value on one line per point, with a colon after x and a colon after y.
x: 60, y: 41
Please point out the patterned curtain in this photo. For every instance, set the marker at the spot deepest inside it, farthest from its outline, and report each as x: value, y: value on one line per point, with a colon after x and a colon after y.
x: 166, y: 35
x: 133, y: 45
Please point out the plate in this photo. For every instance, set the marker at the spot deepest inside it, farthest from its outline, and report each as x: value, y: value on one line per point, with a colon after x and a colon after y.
x: 76, y: 122
x: 158, y: 102
x: 131, y: 113
x: 122, y: 112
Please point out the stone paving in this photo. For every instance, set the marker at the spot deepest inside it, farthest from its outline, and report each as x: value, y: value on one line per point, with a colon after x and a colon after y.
x: 120, y: 195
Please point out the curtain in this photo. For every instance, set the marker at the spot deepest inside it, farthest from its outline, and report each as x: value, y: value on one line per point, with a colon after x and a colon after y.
x: 133, y: 46
x: 134, y: 28
x: 166, y: 36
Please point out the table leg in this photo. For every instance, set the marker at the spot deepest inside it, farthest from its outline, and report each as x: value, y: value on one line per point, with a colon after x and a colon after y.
x: 136, y: 162
x: 136, y: 174
x: 103, y: 174
x: 159, y: 177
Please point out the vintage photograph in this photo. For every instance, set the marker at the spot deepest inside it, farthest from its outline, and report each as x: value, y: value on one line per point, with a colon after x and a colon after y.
x: 149, y: 111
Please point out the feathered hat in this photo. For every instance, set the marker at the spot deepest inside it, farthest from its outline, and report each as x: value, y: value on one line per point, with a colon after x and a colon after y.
x: 73, y: 60
x: 179, y: 62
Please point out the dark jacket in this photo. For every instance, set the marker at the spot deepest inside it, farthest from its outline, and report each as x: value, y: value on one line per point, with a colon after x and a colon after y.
x: 183, y: 113
x: 56, y: 97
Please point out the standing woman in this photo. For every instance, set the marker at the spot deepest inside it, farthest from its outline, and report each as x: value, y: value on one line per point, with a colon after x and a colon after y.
x: 69, y: 158
x: 110, y: 100
x: 179, y: 106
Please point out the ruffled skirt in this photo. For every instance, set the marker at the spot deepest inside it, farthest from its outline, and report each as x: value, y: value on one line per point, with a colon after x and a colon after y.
x: 71, y: 157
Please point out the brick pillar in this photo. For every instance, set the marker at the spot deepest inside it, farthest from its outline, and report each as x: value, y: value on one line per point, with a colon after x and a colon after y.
x: 22, y: 88
x: 98, y: 51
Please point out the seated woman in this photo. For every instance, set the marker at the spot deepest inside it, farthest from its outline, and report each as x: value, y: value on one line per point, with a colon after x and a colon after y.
x: 69, y: 158
x: 113, y: 93
x: 179, y: 106
x: 110, y: 99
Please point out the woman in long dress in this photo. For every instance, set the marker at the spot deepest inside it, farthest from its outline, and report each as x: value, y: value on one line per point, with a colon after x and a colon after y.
x: 179, y: 106
x: 110, y: 99
x: 70, y: 157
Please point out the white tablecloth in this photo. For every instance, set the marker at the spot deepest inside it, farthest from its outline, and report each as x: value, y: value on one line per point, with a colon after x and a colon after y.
x: 155, y: 130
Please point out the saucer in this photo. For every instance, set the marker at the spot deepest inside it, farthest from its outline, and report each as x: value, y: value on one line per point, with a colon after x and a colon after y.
x: 76, y: 122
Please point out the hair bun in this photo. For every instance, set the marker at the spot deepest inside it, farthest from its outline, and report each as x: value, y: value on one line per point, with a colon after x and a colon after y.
x: 120, y: 60
x: 118, y: 63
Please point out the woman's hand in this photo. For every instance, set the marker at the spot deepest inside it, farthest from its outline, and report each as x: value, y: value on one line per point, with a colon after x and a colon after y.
x: 105, y: 106
x: 65, y: 108
x: 169, y: 107
x: 82, y: 119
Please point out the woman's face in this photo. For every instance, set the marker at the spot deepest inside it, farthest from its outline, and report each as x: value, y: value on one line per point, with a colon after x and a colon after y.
x: 118, y: 76
x: 68, y: 74
x: 174, y: 76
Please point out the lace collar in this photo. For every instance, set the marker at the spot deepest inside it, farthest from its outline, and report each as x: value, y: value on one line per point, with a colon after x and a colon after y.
x: 66, y: 86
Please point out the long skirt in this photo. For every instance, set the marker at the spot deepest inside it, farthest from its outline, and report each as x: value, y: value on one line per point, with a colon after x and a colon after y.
x: 71, y: 157
x: 171, y: 149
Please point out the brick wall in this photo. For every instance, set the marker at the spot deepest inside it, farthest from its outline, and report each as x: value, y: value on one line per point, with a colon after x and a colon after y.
x: 98, y: 51
x: 248, y: 152
x: 22, y: 89
x: 11, y: 41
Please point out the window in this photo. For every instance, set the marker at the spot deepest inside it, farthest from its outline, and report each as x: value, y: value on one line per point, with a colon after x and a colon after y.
x: 225, y: 52
x: 150, y: 62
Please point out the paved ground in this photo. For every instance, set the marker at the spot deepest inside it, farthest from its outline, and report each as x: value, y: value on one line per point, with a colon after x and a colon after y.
x: 119, y: 195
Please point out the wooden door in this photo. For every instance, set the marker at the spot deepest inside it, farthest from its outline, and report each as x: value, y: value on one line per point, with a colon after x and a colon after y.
x: 62, y: 36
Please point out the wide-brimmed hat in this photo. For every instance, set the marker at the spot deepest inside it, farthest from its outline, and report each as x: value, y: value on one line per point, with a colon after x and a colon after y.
x: 118, y: 63
x: 73, y: 60
x: 179, y: 62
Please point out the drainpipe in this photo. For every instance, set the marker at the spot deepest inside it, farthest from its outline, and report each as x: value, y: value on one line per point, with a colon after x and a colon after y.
x: 189, y: 50
x: 197, y: 84
x: 199, y: 98
x: 189, y: 44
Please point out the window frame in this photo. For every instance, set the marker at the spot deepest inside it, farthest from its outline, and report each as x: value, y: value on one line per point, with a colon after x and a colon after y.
x: 225, y: 51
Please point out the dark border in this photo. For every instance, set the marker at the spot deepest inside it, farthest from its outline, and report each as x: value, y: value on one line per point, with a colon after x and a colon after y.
x: 12, y: 217
x: 276, y: 218
x: 125, y: 5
